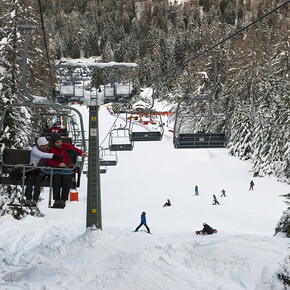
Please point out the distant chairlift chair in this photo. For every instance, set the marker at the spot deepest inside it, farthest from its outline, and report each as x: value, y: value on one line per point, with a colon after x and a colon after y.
x: 147, y: 135
x: 201, y: 139
x: 202, y: 107
x: 120, y: 140
x: 108, y: 157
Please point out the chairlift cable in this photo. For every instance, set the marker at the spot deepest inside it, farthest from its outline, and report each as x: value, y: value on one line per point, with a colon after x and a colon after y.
x: 45, y: 41
x: 181, y: 65
x: 110, y: 130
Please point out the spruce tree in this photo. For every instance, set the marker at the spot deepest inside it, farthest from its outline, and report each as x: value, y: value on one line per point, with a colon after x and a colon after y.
x: 15, y: 130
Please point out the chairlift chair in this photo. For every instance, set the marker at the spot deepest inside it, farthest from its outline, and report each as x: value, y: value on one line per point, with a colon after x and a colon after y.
x: 203, y: 107
x: 120, y: 140
x: 146, y: 135
x: 108, y: 157
x: 12, y: 159
x: 200, y: 138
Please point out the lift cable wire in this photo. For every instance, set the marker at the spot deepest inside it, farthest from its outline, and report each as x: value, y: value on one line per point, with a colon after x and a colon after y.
x: 45, y: 41
x: 110, y: 130
x: 181, y: 65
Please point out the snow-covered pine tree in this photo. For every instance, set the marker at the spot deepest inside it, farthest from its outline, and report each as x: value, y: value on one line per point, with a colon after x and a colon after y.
x: 15, y: 133
x: 241, y: 132
x: 283, y: 228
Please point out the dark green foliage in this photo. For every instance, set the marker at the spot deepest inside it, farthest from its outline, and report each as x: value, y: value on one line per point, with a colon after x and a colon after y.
x: 283, y: 226
x: 17, y: 125
x: 284, y: 223
x: 285, y: 277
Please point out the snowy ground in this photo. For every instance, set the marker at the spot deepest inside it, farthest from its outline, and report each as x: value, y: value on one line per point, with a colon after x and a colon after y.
x: 56, y: 252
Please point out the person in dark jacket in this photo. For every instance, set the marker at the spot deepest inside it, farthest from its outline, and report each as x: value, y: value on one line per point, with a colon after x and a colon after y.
x: 38, y: 155
x: 215, y: 200
x: 207, y: 229
x: 223, y: 193
x: 252, y: 185
x: 143, y: 222
x: 167, y: 203
x: 61, y: 182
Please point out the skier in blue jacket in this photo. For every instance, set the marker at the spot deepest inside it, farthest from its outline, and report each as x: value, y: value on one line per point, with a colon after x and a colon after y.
x: 143, y: 222
x: 196, y: 190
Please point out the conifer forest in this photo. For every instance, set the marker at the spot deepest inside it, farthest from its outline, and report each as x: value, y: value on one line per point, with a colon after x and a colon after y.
x: 162, y: 37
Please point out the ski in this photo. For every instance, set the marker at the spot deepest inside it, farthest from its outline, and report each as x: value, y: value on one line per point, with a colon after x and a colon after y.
x: 201, y: 233
x: 141, y: 231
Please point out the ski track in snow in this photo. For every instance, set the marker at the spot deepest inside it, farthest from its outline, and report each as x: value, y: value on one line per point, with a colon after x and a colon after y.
x: 56, y: 252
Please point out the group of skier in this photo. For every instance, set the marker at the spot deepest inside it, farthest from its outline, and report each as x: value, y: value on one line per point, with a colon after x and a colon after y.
x: 223, y: 192
x: 206, y: 228
x: 215, y: 201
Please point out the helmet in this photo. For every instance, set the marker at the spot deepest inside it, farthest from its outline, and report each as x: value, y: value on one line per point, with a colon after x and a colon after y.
x: 143, y: 213
x: 204, y: 224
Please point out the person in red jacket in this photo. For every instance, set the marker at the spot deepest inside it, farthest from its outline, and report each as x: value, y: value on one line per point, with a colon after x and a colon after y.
x: 54, y: 129
x: 61, y: 182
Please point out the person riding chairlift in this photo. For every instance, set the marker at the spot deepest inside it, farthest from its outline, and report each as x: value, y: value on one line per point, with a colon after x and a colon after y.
x: 54, y: 129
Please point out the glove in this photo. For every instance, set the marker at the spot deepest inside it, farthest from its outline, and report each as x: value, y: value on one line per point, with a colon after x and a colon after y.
x: 56, y: 157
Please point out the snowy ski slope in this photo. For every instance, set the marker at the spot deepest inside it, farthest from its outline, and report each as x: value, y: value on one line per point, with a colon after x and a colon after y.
x: 56, y: 252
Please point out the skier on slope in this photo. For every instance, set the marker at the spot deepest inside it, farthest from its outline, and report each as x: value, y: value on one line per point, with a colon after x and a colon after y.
x: 223, y: 193
x: 143, y: 222
x: 252, y: 185
x: 196, y: 190
x: 215, y: 200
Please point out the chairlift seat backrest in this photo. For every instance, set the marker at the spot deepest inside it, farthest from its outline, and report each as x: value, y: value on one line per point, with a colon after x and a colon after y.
x: 45, y: 132
x: 200, y: 140
x: 121, y: 147
x: 15, y: 157
x: 108, y: 162
x: 146, y: 136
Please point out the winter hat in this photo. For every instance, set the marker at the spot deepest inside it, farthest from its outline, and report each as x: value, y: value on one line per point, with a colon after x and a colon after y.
x: 54, y: 138
x: 42, y: 141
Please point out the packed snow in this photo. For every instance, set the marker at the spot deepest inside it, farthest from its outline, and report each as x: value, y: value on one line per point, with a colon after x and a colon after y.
x: 57, y: 252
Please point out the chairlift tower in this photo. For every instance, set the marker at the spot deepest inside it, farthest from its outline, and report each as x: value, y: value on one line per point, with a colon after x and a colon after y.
x: 114, y: 92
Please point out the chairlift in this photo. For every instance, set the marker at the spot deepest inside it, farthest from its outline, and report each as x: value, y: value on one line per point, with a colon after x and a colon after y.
x: 12, y: 159
x: 146, y: 134
x: 108, y: 157
x: 208, y: 111
x: 187, y: 133
x: 120, y: 139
